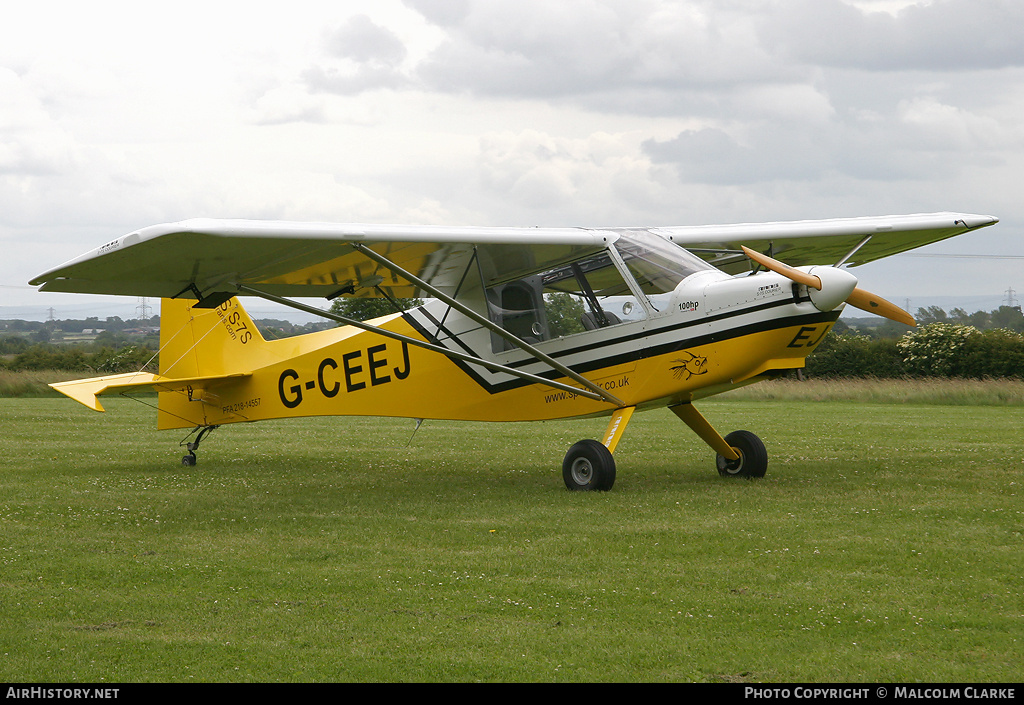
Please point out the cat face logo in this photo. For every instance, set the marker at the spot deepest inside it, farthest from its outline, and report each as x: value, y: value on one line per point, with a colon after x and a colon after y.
x: 688, y: 366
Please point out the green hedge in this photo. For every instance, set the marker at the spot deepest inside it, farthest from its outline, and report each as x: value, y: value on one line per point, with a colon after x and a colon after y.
x: 99, y: 362
x: 934, y: 350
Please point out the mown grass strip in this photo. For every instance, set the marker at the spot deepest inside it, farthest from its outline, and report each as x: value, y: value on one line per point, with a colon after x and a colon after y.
x: 885, y: 544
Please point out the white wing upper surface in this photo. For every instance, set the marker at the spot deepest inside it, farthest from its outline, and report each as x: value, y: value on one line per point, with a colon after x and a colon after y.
x: 311, y: 259
x: 320, y: 260
x: 809, y: 242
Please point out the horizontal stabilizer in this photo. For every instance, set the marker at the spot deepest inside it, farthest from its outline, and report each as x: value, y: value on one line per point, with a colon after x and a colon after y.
x: 88, y: 391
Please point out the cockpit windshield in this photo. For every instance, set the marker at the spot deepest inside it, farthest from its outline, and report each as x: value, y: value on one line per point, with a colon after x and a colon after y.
x: 656, y: 264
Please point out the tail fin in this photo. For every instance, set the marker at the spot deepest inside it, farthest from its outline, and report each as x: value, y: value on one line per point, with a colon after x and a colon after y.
x: 198, y: 342
x: 198, y: 348
x: 202, y: 349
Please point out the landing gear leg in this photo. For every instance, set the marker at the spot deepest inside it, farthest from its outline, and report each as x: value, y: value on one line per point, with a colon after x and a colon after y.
x: 203, y: 431
x: 741, y: 453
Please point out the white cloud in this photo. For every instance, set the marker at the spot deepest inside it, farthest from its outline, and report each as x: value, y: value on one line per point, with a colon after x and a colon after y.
x: 371, y: 58
x: 364, y: 41
x: 529, y: 177
x: 944, y: 35
x: 580, y: 112
x: 32, y: 142
x: 949, y: 128
x: 287, y: 103
x: 582, y: 48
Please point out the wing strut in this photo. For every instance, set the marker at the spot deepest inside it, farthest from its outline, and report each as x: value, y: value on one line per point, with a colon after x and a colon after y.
x: 487, y: 323
x: 849, y: 254
x: 422, y: 344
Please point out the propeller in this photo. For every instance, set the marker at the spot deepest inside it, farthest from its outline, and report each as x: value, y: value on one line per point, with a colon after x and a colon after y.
x: 836, y: 285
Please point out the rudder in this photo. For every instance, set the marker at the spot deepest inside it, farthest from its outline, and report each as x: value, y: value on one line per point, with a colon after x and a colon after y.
x: 201, y: 341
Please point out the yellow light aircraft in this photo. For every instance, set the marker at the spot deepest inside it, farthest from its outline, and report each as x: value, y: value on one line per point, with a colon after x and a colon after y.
x: 520, y: 323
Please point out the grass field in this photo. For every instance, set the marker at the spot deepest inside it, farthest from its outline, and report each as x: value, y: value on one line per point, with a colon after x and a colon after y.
x: 885, y: 544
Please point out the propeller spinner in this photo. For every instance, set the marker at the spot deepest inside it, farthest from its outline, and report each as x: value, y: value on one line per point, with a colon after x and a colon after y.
x: 836, y: 285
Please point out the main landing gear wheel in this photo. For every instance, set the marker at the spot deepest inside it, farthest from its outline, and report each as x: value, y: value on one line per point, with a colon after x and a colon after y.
x: 753, y: 460
x: 588, y: 466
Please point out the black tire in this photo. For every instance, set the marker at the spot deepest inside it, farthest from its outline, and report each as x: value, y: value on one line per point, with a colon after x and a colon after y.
x: 753, y: 460
x: 189, y: 460
x: 588, y: 466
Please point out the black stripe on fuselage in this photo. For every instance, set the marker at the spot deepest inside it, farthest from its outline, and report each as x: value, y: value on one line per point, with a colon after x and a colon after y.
x: 665, y: 329
x: 633, y: 355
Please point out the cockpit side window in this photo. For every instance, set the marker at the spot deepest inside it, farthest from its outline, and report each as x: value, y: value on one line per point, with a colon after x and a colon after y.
x: 657, y: 265
x: 587, y: 294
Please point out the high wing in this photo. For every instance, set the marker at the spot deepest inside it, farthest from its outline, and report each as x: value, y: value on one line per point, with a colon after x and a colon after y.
x: 202, y: 257
x: 196, y: 258
x: 809, y: 242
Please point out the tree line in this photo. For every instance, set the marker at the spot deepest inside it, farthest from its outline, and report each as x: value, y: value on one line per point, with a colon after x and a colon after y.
x: 127, y: 346
x: 943, y: 345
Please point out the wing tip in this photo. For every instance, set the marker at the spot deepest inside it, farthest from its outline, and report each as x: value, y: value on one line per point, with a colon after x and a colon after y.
x: 973, y: 222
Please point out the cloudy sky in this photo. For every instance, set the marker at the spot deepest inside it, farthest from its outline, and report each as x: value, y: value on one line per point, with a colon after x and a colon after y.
x: 116, y: 115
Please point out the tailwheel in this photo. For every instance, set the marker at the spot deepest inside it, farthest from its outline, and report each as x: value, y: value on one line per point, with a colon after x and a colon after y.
x: 203, y: 431
x: 753, y: 460
x: 589, y: 465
